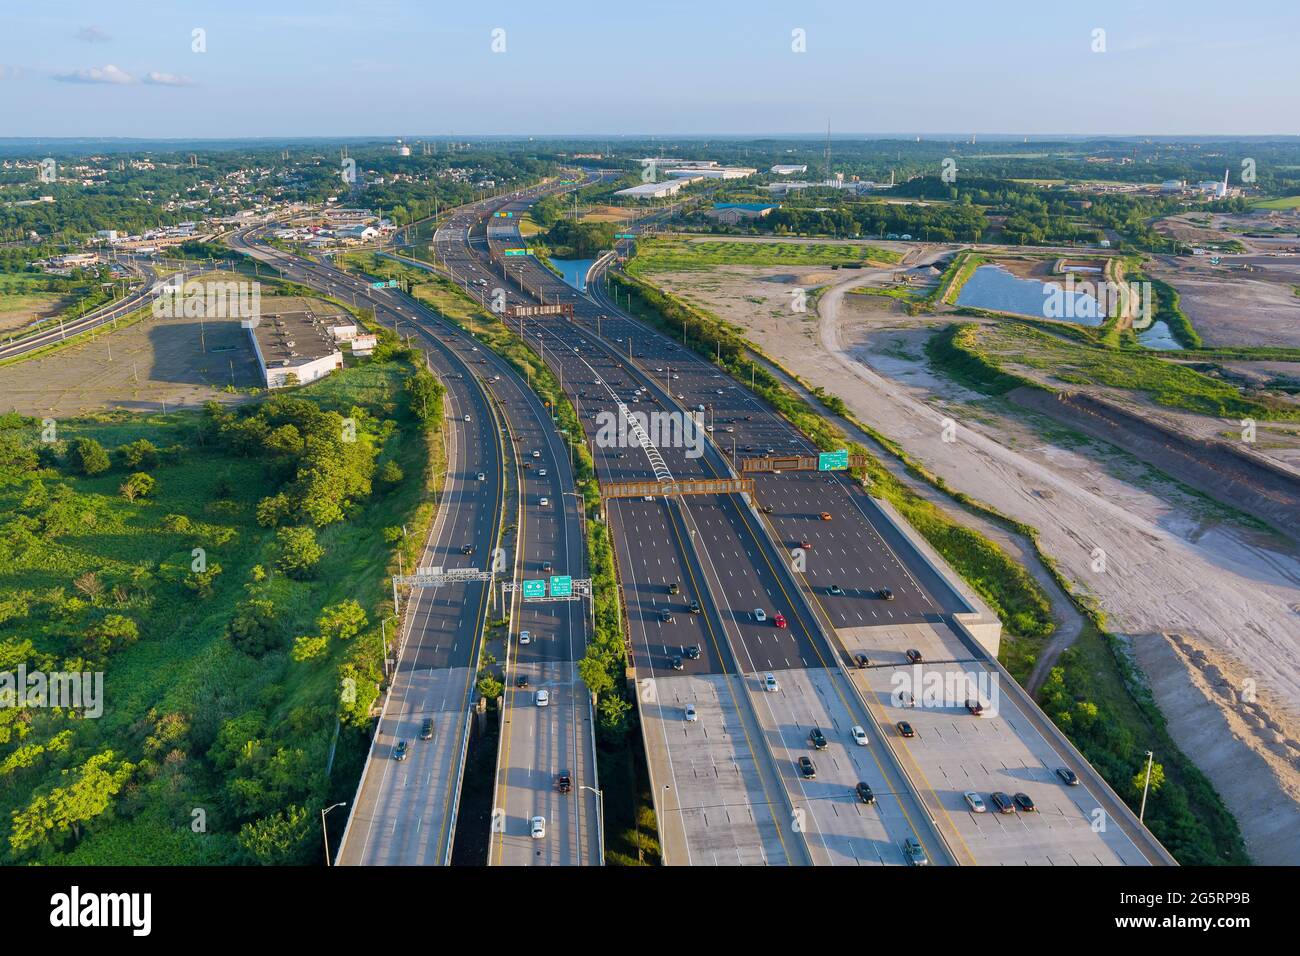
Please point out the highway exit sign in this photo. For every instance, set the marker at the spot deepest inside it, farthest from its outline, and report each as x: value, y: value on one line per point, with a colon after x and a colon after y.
x: 624, y: 235
x: 389, y: 284
x: 833, y: 460
x: 516, y: 252
x: 534, y: 589
x: 561, y: 585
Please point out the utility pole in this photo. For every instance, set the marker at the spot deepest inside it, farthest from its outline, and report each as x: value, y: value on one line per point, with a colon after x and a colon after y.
x: 1145, y: 787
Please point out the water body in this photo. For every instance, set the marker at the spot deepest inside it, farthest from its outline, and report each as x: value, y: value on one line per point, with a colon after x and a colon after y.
x: 993, y: 287
x: 1158, y: 336
x: 574, y: 271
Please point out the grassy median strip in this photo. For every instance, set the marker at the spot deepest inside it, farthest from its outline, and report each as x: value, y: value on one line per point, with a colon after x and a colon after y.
x: 680, y: 255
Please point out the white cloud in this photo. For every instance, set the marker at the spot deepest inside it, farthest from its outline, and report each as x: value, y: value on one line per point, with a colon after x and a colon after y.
x: 93, y: 34
x: 167, y: 79
x: 107, y: 73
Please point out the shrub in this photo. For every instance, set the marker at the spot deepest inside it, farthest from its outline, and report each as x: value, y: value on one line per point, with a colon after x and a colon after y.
x: 88, y: 457
x: 140, y: 455
x: 299, y: 552
x: 255, y: 628
x: 139, y: 485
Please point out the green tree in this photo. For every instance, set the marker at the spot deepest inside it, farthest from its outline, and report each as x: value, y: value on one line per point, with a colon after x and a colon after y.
x: 1157, y: 778
x: 139, y: 455
x: 285, y: 838
x: 299, y: 552
x: 66, y: 810
x: 114, y: 632
x: 88, y: 456
x: 255, y: 628
x: 139, y: 485
x: 342, y: 621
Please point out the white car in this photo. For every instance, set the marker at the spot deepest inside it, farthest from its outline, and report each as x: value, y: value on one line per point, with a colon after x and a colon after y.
x: 974, y: 801
x: 537, y: 454
x: 543, y: 698
x: 859, y: 735
x: 537, y: 827
x: 543, y: 502
x: 525, y: 637
x: 690, y: 713
x: 466, y: 418
x: 482, y: 476
x: 541, y: 472
x: 769, y: 683
x: 760, y: 615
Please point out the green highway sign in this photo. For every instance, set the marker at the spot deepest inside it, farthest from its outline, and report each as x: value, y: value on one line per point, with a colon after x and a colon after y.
x: 833, y: 460
x: 624, y: 235
x: 504, y: 214
x: 516, y: 252
x: 534, y: 589
x: 390, y: 284
x: 561, y: 585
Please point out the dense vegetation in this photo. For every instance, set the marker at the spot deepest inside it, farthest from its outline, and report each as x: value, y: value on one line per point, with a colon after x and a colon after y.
x: 223, y: 569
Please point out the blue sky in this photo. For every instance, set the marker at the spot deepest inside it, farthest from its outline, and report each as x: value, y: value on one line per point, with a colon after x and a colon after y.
x: 381, y: 67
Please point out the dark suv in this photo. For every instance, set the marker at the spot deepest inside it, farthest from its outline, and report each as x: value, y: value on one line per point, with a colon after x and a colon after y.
x: 1004, y: 803
x: 426, y: 729
x: 564, y: 782
x: 817, y: 738
x: 807, y: 769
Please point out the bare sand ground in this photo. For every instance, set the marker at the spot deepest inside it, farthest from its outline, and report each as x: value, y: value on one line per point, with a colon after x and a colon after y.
x: 1173, y: 561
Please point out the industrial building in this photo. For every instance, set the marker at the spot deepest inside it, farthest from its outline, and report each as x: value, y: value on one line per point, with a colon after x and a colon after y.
x: 733, y: 213
x: 662, y: 190
x: 295, y: 347
x: 712, y: 172
x: 788, y: 169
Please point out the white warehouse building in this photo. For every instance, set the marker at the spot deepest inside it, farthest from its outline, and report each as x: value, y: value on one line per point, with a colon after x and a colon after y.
x: 293, y: 348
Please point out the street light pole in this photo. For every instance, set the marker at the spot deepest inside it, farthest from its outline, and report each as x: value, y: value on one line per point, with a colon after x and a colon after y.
x: 325, y: 833
x: 1145, y: 787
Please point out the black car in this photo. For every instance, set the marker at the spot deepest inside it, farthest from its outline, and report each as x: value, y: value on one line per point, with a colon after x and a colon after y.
x: 695, y: 607
x: 467, y: 549
x: 546, y: 566
x: 1024, y: 802
x: 975, y: 707
x: 817, y: 738
x: 521, y: 680
x: 865, y: 794
x: 766, y: 509
x: 807, y: 769
x: 399, y: 754
x: 678, y: 665
x: 1004, y: 803
x: 426, y: 729
x: 564, y: 783
x: 665, y: 615
x: 693, y: 652
x: 913, y: 655
x: 905, y: 729
x: 1068, y: 776
x: 836, y: 589
x: 861, y: 660
x: 886, y: 594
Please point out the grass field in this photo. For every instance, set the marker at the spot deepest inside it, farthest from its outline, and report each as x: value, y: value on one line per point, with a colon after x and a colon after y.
x: 1282, y: 202
x: 680, y: 255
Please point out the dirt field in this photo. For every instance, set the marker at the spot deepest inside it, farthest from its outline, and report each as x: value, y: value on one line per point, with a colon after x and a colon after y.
x: 1176, y: 562
x: 19, y: 310
x: 155, y: 361
x: 1231, y: 307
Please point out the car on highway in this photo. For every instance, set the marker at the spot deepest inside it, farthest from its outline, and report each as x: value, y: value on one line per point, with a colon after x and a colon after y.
x: 537, y: 827
x: 546, y: 567
x: 467, y: 418
x: 836, y: 589
x: 859, y: 735
x: 521, y: 680
x: 542, y: 698
x: 537, y: 454
x: 769, y: 683
x: 693, y: 652
x: 674, y: 588
x: 525, y: 637
x: 817, y: 738
x: 695, y: 607
x: 913, y: 656
x: 482, y: 476
x: 665, y: 616
x: 467, y: 549
x: 885, y: 594
x: 426, y: 729
x: 905, y: 729
x: 974, y: 801
x: 807, y: 769
x: 760, y: 615
x: 564, y: 782
x: 543, y: 502
x: 914, y: 853
x: 1003, y: 802
x: 678, y: 664
x: 974, y: 707
x: 779, y: 620
x: 690, y: 713
x: 400, y: 751
x: 861, y: 660
x: 864, y: 793
x: 1068, y: 776
x: 825, y: 516
x: 766, y: 509
x: 1025, y: 802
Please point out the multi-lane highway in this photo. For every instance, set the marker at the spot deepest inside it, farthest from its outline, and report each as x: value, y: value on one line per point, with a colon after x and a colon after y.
x: 729, y: 557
